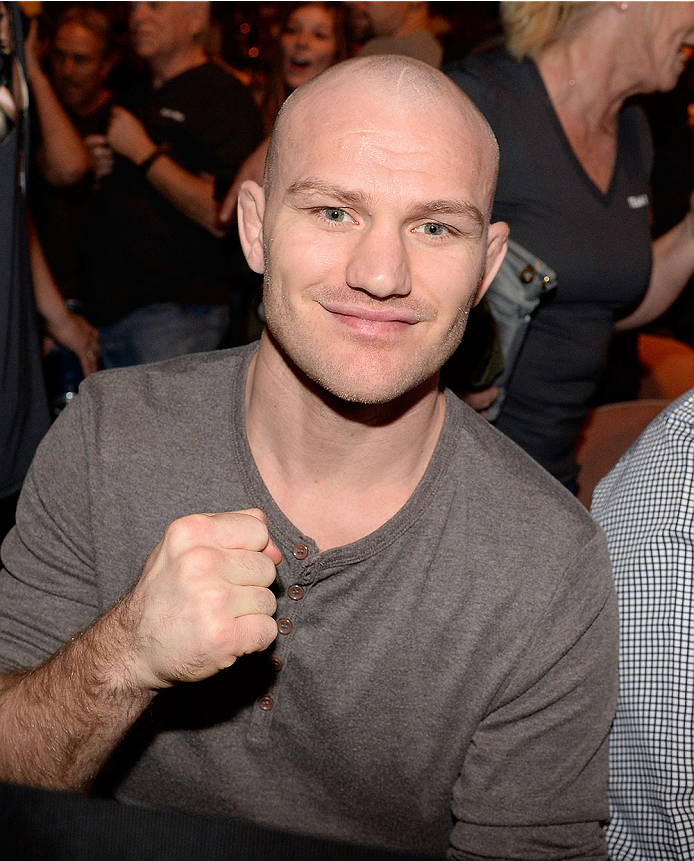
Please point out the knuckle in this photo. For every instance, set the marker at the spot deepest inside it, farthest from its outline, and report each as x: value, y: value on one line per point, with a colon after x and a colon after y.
x: 266, y: 570
x: 187, y: 530
x: 250, y: 568
x: 201, y: 561
x: 265, y: 601
x: 257, y: 632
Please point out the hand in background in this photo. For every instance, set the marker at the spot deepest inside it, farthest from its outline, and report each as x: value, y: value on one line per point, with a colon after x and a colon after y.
x: 128, y: 137
x: 101, y: 153
x: 77, y: 334
x: 481, y: 401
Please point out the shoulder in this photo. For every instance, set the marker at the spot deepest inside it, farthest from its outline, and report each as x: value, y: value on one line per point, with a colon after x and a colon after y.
x: 654, y: 478
x: 213, y: 82
x: 492, y: 72
x: 525, y: 513
x: 215, y: 74
x: 496, y: 82
x: 381, y: 45
x: 139, y: 402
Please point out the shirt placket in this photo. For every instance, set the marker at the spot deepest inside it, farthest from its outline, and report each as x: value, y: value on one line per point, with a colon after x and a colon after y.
x: 301, y: 574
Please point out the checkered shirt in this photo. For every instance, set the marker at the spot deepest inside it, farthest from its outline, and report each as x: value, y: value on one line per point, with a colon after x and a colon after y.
x: 646, y: 507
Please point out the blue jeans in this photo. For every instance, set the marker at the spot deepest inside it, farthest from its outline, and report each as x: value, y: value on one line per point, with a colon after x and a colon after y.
x: 162, y: 331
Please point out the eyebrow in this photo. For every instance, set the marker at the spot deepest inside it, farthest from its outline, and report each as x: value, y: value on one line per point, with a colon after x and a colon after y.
x: 433, y: 207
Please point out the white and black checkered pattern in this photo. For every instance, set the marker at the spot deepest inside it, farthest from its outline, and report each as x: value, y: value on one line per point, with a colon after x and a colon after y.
x: 646, y: 507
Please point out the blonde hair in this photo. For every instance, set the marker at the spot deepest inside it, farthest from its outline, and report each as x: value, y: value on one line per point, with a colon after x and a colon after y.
x: 531, y: 27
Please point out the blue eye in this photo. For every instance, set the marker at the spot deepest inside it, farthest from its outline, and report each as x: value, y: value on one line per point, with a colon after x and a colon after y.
x: 334, y: 214
x: 433, y: 229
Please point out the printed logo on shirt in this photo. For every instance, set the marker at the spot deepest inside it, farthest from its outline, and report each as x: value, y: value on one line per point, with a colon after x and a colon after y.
x: 172, y: 114
x: 637, y: 201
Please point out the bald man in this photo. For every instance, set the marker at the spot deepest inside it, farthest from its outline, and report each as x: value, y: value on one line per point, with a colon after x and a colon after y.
x: 309, y: 588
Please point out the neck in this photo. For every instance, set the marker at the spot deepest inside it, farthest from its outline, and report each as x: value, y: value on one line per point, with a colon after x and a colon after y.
x: 164, y: 68
x: 416, y: 21
x: 337, y: 470
x: 587, y: 76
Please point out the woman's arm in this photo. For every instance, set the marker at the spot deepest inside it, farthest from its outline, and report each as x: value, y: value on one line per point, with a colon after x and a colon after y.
x: 63, y: 325
x: 673, y: 266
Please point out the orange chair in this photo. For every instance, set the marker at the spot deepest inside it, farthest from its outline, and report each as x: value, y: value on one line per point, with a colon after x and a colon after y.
x: 607, y: 433
x: 668, y: 367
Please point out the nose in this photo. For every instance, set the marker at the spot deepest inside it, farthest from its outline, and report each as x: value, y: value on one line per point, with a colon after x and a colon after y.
x: 137, y: 12
x: 301, y: 40
x: 379, y: 264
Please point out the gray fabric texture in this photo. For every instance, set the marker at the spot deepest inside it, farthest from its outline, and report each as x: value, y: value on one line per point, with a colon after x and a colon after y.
x: 449, y: 678
x: 420, y: 45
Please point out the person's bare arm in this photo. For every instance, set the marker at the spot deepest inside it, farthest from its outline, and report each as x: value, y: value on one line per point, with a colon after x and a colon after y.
x: 63, y: 325
x: 191, y: 194
x: 63, y: 157
x: 202, y: 601
x: 673, y: 266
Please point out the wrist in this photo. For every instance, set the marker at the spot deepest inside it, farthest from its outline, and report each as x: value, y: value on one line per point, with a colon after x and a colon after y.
x: 115, y: 637
x: 154, y: 154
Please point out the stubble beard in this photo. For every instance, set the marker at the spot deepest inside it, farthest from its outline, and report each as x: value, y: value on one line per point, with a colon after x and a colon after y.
x: 310, y: 360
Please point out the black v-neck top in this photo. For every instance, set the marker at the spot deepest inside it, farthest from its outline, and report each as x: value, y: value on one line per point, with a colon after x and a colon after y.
x: 599, y: 244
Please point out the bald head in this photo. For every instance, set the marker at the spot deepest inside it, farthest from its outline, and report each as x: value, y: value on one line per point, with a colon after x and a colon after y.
x: 408, y: 90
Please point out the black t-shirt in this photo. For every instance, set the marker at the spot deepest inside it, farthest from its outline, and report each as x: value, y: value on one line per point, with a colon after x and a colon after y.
x: 62, y: 213
x: 141, y: 249
x: 599, y: 244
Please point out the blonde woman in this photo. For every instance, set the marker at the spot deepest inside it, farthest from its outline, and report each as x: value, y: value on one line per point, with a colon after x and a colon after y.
x: 574, y: 188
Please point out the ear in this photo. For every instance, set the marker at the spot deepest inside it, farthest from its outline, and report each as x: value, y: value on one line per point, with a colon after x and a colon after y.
x: 497, y: 244
x: 251, y: 208
x: 198, y: 19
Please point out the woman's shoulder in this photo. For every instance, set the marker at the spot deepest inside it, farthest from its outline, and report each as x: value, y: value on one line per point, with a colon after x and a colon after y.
x: 495, y: 68
x: 492, y: 79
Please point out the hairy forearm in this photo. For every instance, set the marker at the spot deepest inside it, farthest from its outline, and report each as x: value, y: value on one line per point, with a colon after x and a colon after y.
x: 60, y: 722
x: 673, y: 266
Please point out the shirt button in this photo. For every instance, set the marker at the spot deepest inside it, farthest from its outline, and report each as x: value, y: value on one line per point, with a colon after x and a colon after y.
x: 284, y: 626
x: 300, y: 551
x: 296, y: 592
x: 276, y: 663
x: 266, y: 703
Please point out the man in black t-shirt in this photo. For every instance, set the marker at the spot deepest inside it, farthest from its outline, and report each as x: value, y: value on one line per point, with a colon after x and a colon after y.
x: 159, y: 279
x: 81, y: 58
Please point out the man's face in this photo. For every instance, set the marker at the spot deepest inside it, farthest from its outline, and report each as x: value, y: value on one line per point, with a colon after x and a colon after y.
x: 359, y: 23
x: 79, y: 66
x: 374, y: 243
x: 386, y: 18
x: 161, y: 29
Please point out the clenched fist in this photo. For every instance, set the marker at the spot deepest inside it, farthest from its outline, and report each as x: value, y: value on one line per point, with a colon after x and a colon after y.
x: 203, y: 599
